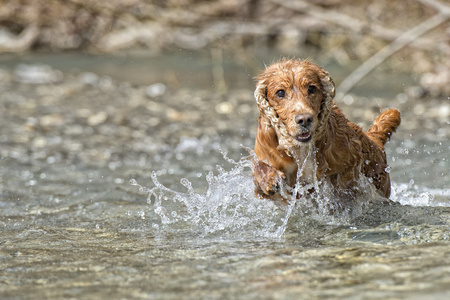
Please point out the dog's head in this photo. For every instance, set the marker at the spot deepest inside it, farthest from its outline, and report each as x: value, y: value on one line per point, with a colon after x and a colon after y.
x: 295, y: 97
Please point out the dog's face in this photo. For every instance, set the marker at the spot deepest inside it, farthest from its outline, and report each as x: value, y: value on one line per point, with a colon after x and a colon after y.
x: 295, y: 91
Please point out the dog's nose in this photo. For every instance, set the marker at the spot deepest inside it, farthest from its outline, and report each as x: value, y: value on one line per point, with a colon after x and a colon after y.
x: 304, y: 119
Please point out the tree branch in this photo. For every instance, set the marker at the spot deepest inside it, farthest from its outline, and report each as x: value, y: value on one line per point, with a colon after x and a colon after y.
x: 403, y: 40
x: 355, y: 24
x: 23, y: 41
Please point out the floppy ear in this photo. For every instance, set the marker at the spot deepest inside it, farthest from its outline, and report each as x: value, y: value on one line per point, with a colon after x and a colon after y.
x: 268, y: 113
x: 328, y: 92
x: 265, y: 109
x: 328, y: 87
x: 261, y: 97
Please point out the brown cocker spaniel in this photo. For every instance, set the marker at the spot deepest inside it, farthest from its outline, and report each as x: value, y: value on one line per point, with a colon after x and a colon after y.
x: 304, y: 138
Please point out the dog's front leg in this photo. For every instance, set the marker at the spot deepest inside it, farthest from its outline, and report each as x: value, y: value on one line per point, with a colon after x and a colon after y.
x: 267, y: 179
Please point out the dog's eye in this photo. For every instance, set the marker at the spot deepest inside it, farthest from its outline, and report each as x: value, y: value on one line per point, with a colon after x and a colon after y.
x: 280, y: 93
x: 312, y: 89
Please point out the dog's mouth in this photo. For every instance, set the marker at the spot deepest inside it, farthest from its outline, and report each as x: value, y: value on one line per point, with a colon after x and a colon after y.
x: 304, y: 137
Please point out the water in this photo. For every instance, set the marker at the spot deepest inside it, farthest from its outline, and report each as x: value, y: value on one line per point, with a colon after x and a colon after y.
x: 229, y: 205
x: 188, y: 224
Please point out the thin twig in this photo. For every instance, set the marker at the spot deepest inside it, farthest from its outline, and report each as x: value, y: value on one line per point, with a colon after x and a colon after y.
x: 403, y: 40
x: 20, y: 43
x: 441, y: 8
x: 350, y: 23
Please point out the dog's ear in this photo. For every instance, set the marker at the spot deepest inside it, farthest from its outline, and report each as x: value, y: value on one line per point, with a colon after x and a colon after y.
x: 329, y: 89
x: 268, y: 114
x: 266, y: 111
x: 261, y: 96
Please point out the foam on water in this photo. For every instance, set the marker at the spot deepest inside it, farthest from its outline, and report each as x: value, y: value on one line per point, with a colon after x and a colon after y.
x: 414, y: 195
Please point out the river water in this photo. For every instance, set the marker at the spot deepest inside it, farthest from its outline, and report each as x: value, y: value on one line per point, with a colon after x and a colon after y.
x: 111, y: 188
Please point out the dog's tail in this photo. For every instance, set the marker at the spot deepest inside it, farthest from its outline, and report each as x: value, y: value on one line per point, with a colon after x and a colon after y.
x: 385, y: 124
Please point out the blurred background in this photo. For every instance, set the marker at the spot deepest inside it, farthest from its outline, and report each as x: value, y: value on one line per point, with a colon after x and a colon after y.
x: 142, y: 83
x: 100, y: 82
x: 228, y: 34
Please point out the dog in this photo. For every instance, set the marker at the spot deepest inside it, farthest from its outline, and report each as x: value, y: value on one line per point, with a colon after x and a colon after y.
x: 303, y: 137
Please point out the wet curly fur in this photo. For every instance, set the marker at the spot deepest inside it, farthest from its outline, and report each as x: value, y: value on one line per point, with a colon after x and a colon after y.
x: 300, y: 126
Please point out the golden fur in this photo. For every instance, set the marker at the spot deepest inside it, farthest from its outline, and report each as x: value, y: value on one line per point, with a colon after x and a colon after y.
x: 301, y: 126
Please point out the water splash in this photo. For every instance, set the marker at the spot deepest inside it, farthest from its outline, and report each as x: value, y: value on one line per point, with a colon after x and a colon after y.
x: 415, y: 195
x: 298, y: 190
x: 229, y: 206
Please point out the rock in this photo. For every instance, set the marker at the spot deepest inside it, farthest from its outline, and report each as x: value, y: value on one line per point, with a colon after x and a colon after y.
x: 224, y: 108
x: 39, y: 142
x: 174, y: 115
x: 89, y: 78
x: 437, y: 83
x: 51, y: 120
x: 155, y: 90
x: 37, y: 74
x: 97, y: 118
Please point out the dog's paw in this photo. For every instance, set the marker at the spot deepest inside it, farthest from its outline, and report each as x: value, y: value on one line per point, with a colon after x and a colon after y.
x: 267, y: 179
x: 271, y: 183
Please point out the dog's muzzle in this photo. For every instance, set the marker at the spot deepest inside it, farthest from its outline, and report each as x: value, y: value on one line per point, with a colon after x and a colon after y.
x: 304, y: 122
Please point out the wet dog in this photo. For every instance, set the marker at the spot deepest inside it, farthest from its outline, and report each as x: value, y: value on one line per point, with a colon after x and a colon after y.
x: 303, y: 136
